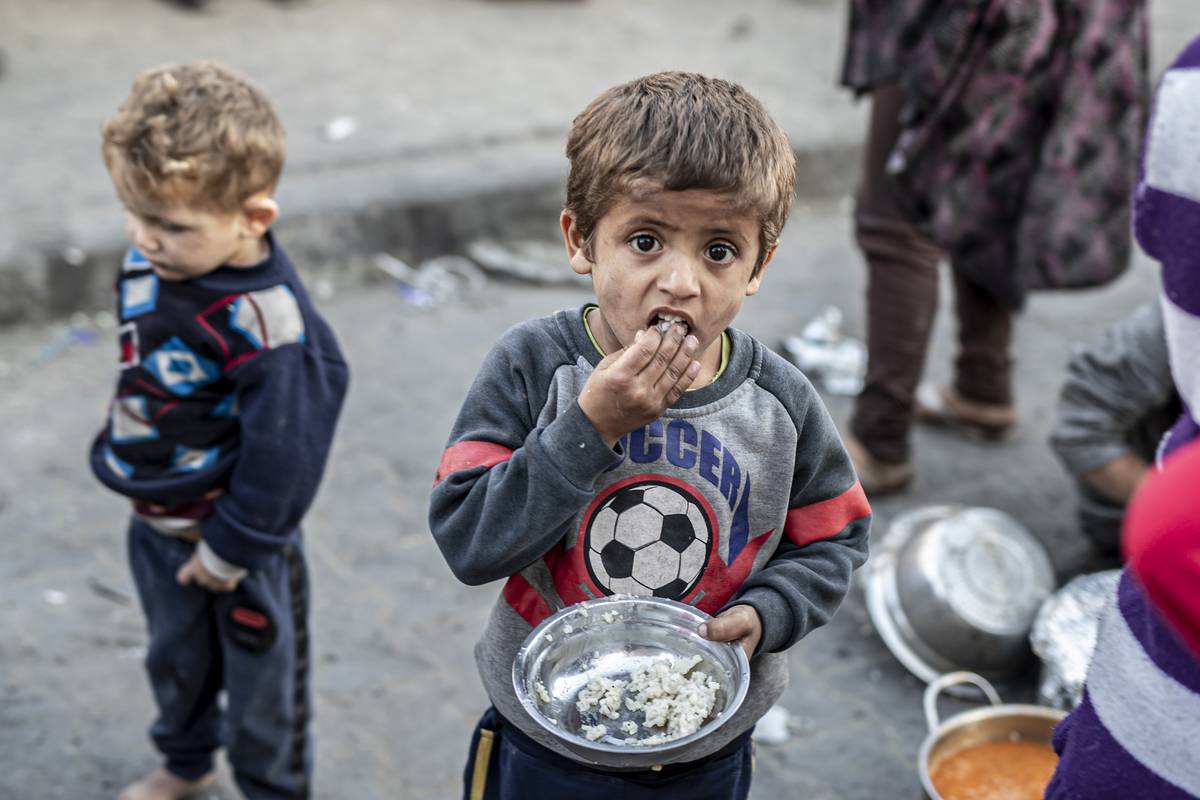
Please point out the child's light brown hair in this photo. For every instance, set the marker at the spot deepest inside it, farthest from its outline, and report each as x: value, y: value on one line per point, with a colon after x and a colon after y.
x: 194, y: 133
x: 680, y: 130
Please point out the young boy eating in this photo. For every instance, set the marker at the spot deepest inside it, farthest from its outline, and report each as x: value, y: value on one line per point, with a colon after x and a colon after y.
x: 641, y: 445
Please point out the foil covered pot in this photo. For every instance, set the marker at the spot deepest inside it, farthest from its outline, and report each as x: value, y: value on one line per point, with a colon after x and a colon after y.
x: 1064, y: 636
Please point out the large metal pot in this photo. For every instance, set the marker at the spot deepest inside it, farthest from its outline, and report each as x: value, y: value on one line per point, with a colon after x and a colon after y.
x: 995, y: 723
x: 956, y: 588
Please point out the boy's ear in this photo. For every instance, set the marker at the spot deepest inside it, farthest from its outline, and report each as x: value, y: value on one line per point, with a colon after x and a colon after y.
x: 260, y: 212
x: 573, y: 239
x: 756, y: 280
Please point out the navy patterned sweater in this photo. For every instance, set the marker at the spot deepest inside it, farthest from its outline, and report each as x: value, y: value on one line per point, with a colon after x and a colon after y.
x: 230, y: 385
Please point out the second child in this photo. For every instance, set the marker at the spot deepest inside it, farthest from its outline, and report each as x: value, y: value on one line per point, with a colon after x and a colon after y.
x: 229, y: 390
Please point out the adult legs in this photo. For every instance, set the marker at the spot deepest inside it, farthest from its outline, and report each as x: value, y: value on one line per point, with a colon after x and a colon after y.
x: 902, y: 281
x: 983, y: 370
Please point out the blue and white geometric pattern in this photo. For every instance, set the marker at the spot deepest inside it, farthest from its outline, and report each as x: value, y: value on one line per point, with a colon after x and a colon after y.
x: 268, y: 318
x: 138, y: 295
x: 186, y: 459
x: 122, y: 468
x: 130, y: 421
x: 180, y: 370
x: 134, y: 261
x: 227, y: 408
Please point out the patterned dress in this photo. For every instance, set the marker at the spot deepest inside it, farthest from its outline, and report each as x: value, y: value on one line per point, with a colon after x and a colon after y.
x: 1021, y: 125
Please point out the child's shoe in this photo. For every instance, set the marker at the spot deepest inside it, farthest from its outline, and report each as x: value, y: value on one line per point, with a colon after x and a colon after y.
x: 878, y: 477
x: 163, y: 785
x: 945, y: 406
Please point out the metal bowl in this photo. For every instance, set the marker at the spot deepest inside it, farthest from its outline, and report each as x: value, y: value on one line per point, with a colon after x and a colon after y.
x: 995, y: 723
x: 957, y: 588
x: 611, y: 638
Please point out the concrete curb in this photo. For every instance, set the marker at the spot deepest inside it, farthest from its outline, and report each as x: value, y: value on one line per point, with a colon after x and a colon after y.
x: 333, y: 219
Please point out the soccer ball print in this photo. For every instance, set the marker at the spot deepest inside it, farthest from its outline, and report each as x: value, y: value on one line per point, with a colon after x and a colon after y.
x: 650, y: 537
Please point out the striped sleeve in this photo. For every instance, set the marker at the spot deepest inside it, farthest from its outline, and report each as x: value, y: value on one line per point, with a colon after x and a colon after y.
x: 507, y: 486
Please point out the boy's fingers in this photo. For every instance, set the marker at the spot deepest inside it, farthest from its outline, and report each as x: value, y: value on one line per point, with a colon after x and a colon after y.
x: 725, y: 628
x: 680, y: 361
x: 641, y: 352
x: 662, y: 367
x: 684, y: 383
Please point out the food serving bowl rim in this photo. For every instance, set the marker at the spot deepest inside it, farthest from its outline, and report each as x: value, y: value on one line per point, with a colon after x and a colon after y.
x: 621, y: 755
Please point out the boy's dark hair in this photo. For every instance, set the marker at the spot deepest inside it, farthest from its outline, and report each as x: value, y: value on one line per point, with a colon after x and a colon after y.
x: 195, y: 133
x: 681, y: 131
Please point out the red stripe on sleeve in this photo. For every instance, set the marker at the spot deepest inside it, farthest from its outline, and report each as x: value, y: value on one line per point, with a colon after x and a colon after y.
x: 525, y: 600
x: 826, y: 519
x: 467, y: 454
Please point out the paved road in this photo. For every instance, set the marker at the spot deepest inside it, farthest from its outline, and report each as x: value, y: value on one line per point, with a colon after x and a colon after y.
x: 452, y: 100
x: 395, y: 686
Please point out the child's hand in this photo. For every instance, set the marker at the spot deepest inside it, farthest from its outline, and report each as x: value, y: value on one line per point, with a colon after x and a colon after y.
x: 735, y: 624
x: 193, y: 572
x: 632, y: 387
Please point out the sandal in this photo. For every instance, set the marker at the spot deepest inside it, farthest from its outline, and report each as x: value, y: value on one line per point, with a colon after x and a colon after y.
x: 877, y: 477
x: 945, y: 406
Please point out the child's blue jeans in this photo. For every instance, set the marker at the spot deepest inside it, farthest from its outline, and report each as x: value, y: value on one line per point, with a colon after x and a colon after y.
x: 505, y: 764
x: 251, y: 643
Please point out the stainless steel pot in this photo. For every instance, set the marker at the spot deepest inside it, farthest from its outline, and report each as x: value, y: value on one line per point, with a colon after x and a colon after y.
x: 956, y: 588
x: 995, y: 723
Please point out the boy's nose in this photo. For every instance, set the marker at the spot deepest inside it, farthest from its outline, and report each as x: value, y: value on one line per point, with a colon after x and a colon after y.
x: 679, y: 278
x: 140, y: 235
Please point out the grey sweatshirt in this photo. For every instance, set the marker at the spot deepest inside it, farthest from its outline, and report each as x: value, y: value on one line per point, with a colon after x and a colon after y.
x: 1118, y: 396
x: 740, y: 493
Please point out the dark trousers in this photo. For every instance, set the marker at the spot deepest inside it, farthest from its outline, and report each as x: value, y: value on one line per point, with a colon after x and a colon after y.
x: 902, y: 298
x: 505, y: 764
x: 251, y: 643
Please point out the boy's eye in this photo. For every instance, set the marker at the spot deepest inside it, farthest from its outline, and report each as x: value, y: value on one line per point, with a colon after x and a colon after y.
x: 644, y: 243
x: 720, y: 253
x: 171, y: 227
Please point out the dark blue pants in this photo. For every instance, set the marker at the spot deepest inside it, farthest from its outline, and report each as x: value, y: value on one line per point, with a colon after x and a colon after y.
x: 505, y: 764
x: 251, y: 643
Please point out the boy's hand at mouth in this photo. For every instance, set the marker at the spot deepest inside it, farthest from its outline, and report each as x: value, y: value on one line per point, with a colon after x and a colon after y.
x: 633, y: 386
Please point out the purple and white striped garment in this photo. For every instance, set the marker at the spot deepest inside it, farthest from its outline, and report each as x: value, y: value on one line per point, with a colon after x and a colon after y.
x: 1136, y: 734
x: 1167, y: 225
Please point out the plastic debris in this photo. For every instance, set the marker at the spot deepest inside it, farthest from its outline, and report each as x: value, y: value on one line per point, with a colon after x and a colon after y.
x: 324, y: 290
x: 830, y: 358
x: 54, y: 597
x: 1064, y: 636
x: 109, y: 593
x: 529, y: 261
x: 437, y: 281
x: 75, y: 256
x: 78, y: 332
x: 339, y: 128
x: 774, y: 727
